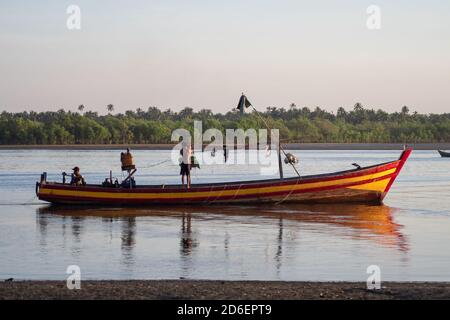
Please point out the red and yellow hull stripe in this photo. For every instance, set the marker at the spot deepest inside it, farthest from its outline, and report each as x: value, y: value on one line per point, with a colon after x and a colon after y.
x: 370, y: 184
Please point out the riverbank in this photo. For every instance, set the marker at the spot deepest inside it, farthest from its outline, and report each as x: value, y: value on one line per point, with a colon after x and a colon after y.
x: 287, y: 146
x: 222, y: 290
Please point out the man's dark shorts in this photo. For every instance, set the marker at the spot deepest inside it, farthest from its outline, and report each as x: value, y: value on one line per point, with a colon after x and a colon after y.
x: 185, y: 169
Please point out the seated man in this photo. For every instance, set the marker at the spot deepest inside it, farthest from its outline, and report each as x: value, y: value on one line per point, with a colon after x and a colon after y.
x: 77, y: 178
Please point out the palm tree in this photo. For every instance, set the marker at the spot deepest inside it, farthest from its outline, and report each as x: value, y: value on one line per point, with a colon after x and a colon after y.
x: 81, y: 108
x: 110, y: 108
x: 405, y: 110
x: 341, y: 113
x: 358, y: 107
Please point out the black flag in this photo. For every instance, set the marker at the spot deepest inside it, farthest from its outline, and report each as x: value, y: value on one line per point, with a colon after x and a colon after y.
x: 243, y: 103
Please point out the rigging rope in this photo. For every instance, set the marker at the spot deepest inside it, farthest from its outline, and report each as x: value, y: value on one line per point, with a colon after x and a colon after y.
x: 155, y: 164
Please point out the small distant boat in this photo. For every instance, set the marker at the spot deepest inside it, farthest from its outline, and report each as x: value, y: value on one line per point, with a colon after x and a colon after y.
x: 444, y: 154
x: 361, y: 185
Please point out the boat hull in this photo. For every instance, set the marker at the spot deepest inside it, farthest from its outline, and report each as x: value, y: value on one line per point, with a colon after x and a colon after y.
x: 365, y: 185
x: 444, y: 154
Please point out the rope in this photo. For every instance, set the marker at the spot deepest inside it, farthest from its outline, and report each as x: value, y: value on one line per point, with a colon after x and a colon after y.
x: 30, y: 201
x: 279, y: 145
x: 155, y: 164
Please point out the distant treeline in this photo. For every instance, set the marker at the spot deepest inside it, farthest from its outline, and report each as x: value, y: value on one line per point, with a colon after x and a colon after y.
x: 359, y: 125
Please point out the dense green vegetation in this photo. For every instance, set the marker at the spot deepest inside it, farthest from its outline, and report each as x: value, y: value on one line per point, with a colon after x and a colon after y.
x: 155, y: 126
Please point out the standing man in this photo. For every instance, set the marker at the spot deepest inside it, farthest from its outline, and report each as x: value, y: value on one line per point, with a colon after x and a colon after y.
x: 186, y: 153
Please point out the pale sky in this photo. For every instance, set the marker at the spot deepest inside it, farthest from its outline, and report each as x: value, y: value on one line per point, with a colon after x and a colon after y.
x: 203, y: 54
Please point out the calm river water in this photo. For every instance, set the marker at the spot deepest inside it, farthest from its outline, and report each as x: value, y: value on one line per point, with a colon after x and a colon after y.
x: 408, y: 237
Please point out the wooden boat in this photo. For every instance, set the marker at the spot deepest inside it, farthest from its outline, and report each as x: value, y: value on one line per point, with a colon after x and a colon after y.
x: 364, y: 185
x: 444, y: 154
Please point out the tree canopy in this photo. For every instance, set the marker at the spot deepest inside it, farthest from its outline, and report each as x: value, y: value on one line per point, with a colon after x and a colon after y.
x: 154, y: 125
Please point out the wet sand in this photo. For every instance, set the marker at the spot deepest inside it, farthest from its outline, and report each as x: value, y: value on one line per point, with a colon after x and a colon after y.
x: 289, y: 146
x: 221, y: 290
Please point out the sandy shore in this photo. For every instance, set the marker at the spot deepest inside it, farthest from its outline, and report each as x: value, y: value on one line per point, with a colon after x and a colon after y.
x: 218, y: 290
x: 288, y: 146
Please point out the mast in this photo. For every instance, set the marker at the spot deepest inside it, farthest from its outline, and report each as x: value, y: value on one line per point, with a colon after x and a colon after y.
x: 280, y: 164
x: 280, y: 149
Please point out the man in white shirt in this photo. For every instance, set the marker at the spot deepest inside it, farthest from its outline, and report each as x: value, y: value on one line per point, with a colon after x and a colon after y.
x: 186, y: 153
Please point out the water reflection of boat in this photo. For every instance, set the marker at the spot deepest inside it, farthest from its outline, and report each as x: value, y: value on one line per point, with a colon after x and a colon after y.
x: 365, y: 222
x: 360, y: 185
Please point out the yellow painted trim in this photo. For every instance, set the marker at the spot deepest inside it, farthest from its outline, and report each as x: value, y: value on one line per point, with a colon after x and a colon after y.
x: 379, y: 185
x: 202, y: 194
